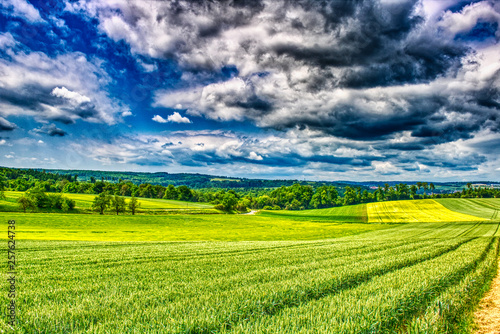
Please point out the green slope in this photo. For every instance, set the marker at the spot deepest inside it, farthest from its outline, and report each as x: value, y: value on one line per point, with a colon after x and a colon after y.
x: 481, y: 207
x: 351, y: 213
x: 84, y: 201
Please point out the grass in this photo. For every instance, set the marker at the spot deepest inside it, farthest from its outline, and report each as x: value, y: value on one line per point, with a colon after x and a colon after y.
x: 53, y: 226
x: 375, y: 282
x: 351, y: 213
x: 481, y: 207
x: 414, y: 211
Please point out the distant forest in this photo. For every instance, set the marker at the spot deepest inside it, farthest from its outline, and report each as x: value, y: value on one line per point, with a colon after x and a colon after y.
x: 297, y: 196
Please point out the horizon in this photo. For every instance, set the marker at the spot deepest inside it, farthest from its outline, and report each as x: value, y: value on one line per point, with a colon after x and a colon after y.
x: 250, y: 178
x: 333, y: 91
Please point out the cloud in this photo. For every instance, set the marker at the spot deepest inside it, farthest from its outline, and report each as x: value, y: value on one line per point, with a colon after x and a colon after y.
x: 159, y: 119
x: 469, y: 16
x: 50, y: 130
x: 174, y: 118
x: 74, y: 97
x: 177, y: 118
x: 382, y: 87
x: 22, y: 9
x: 5, y: 125
x: 64, y: 88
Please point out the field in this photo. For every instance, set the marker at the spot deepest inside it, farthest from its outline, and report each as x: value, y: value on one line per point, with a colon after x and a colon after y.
x: 84, y: 203
x: 351, y: 213
x: 221, y: 227
x: 415, y: 211
x: 315, y: 271
x: 481, y: 207
x: 402, y: 278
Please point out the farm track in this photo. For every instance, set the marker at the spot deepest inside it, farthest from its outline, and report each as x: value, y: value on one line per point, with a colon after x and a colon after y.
x: 441, y: 286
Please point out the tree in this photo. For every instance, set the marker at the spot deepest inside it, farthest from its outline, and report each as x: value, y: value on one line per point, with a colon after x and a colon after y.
x: 133, y: 204
x: 118, y: 204
x: 228, y: 202
x: 64, y: 206
x: 101, y: 202
x: 26, y: 202
x: 349, y: 196
x: 171, y: 192
x: 413, y: 191
x: 184, y: 193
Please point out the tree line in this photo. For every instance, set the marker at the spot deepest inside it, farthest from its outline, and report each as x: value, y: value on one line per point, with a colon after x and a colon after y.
x: 40, y: 193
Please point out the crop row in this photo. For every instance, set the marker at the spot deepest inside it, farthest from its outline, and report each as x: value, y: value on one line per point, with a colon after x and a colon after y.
x: 204, y: 287
x: 380, y: 305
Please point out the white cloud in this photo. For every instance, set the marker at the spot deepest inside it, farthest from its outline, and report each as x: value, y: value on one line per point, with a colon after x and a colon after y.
x: 177, y: 118
x: 254, y: 156
x: 9, y: 156
x: 466, y: 19
x: 65, y: 88
x: 74, y: 97
x: 159, y: 119
x: 174, y: 118
x: 3, y: 142
x: 22, y: 9
x: 6, y: 40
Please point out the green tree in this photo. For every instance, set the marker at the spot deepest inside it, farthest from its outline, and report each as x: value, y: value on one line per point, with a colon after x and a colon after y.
x: 133, y: 204
x: 118, y: 204
x: 413, y: 191
x: 229, y: 202
x: 25, y: 202
x: 349, y: 196
x: 171, y: 192
x: 185, y: 193
x: 101, y: 203
x: 65, y: 206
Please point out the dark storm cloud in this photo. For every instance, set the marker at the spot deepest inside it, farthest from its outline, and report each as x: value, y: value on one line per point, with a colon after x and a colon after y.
x: 378, y: 48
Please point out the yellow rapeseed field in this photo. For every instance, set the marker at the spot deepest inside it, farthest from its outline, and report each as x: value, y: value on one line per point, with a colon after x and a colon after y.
x: 416, y: 211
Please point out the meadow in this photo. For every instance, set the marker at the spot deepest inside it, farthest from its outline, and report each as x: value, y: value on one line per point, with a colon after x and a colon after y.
x: 404, y: 267
x: 147, y: 205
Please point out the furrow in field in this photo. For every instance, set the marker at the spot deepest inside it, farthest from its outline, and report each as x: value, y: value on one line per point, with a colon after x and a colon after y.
x: 378, y: 305
x: 442, y: 315
x: 206, y: 293
x: 272, y: 297
x: 288, y: 255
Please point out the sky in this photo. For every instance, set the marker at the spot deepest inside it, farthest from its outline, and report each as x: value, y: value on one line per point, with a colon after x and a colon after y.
x: 318, y: 90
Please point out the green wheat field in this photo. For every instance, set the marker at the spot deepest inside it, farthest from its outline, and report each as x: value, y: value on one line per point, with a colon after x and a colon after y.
x: 417, y: 266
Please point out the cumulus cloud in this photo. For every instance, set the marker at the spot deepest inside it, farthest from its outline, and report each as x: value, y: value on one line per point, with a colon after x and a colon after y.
x: 174, y: 118
x: 378, y: 86
x: 177, y: 118
x: 159, y: 119
x: 74, y: 97
x: 50, y: 130
x: 64, y: 88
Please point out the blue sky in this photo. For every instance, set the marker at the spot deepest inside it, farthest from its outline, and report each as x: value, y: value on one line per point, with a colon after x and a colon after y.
x: 332, y: 90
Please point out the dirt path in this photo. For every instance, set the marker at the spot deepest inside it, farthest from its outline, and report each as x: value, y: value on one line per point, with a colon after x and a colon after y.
x: 488, y: 315
x: 250, y: 213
